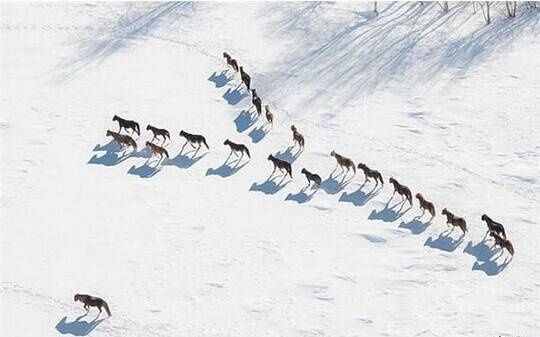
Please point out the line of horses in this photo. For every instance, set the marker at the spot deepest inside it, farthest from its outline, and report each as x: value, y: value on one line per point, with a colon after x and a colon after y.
x: 347, y: 165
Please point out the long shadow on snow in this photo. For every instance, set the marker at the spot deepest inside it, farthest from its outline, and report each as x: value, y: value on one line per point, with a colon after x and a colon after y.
x: 77, y: 327
x: 486, y: 257
x: 228, y: 168
x: 112, y: 155
x: 244, y: 120
x: 185, y: 160
x: 444, y: 241
x: 390, y: 214
x: 220, y: 80
x: 234, y: 96
x: 149, y: 169
x: 302, y: 197
x: 359, y: 197
x: 333, y: 185
x: 415, y: 225
x: 270, y: 186
x: 288, y: 155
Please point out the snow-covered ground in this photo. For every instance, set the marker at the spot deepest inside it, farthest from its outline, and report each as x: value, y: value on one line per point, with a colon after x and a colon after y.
x: 194, y: 247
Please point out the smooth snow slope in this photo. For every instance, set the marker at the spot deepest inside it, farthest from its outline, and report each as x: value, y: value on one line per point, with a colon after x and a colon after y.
x: 443, y: 103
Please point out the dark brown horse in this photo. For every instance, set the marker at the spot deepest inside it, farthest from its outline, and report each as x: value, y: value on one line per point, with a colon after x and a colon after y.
x: 402, y: 190
x: 127, y: 124
x: 455, y: 221
x: 257, y: 101
x: 194, y: 139
x: 230, y: 61
x: 282, y: 165
x: 297, y: 137
x: 426, y: 205
x: 245, y: 78
x: 343, y: 162
x: 122, y: 140
x: 369, y: 173
x: 92, y: 302
x: 235, y: 148
x: 312, y: 177
x: 503, y: 243
x: 494, y: 226
x: 158, y: 132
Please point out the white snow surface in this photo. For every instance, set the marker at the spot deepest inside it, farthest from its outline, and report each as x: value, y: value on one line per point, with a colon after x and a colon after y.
x: 193, y: 247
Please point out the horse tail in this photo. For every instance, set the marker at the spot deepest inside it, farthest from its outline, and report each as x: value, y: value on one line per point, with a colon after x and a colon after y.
x: 132, y: 143
x: 166, y: 153
x: 353, y: 167
x: 204, y: 142
x: 167, y: 135
x: 409, y: 197
x: 289, y: 170
x: 510, y: 248
x: 503, y: 233
x: 247, y: 152
x: 138, y: 129
x: 106, y: 306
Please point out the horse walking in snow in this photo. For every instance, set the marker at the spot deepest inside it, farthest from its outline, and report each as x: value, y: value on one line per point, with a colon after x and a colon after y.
x: 127, y: 124
x: 91, y: 301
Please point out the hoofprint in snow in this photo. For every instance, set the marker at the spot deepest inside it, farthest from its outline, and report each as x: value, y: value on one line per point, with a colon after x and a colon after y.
x: 198, y: 247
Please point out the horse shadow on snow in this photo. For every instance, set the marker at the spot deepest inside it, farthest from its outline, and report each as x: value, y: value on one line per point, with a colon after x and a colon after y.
x: 359, y: 197
x: 228, y: 168
x: 390, y: 213
x: 78, y: 327
x: 221, y: 79
x: 302, y: 197
x: 445, y: 241
x: 488, y: 258
x: 415, y: 225
x: 114, y: 154
x: 333, y: 185
x: 271, y: 186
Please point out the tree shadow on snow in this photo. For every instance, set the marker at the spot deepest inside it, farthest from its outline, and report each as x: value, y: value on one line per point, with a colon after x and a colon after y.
x: 444, y: 241
x: 221, y: 79
x: 234, y: 96
x: 244, y: 120
x: 359, y: 197
x: 228, y: 168
x: 487, y: 257
x: 415, y: 225
x: 302, y: 197
x: 390, y: 214
x: 77, y: 327
x: 270, y: 186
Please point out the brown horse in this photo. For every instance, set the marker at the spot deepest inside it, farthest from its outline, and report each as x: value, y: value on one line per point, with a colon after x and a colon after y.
x: 426, y: 205
x: 343, y: 162
x: 230, y: 61
x: 297, y: 137
x: 127, y: 124
x: 92, y: 302
x: 257, y: 101
x: 455, y: 220
x: 503, y: 243
x: 269, y: 115
x: 402, y: 190
x: 282, y: 165
x: 157, y: 150
x: 369, y: 173
x: 122, y: 139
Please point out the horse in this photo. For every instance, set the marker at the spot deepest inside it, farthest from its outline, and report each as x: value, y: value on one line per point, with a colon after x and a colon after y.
x: 122, y: 139
x: 127, y: 124
x: 194, y: 139
x: 455, y: 220
x: 494, y: 226
x: 257, y: 101
x: 156, y: 149
x: 92, y: 302
x: 280, y: 164
x: 426, y: 205
x: 230, y: 61
x: 369, y: 173
x: 312, y: 177
x: 269, y: 115
x: 297, y: 137
x: 402, y: 190
x: 246, y: 79
x: 237, y: 148
x: 158, y: 132
x: 502, y: 242
x: 343, y: 162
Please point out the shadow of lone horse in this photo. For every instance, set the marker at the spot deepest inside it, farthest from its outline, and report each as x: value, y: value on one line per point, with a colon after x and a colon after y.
x: 221, y: 79
x: 389, y: 214
x: 359, y: 197
x: 77, y: 327
x: 487, y: 258
x: 444, y: 241
x: 270, y: 186
x: 227, y: 169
